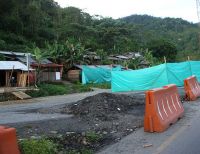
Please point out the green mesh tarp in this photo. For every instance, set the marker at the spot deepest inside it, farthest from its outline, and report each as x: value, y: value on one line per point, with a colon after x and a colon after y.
x: 97, y: 74
x: 154, y: 77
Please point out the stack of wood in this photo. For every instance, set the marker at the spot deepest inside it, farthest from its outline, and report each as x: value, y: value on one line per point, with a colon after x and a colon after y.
x: 22, y: 80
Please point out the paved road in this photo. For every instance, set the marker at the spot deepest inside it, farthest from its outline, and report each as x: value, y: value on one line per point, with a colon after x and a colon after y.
x: 187, y: 141
x: 14, y: 113
x: 18, y: 112
x: 181, y: 138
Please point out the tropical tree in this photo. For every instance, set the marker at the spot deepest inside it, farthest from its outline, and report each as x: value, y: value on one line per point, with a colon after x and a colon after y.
x: 103, y: 56
x: 71, y: 53
x: 39, y: 57
x: 134, y: 63
x: 148, y: 56
x: 55, y: 51
x: 163, y: 48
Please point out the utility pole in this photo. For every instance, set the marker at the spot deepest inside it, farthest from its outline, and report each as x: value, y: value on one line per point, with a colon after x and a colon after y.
x: 28, y: 55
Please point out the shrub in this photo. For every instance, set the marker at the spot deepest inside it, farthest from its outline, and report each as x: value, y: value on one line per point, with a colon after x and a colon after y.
x: 93, y: 137
x: 78, y: 87
x: 41, y: 146
x: 49, y: 90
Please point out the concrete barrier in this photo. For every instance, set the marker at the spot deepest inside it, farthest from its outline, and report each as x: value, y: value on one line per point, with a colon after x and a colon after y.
x: 192, y: 88
x: 163, y: 107
x: 8, y: 141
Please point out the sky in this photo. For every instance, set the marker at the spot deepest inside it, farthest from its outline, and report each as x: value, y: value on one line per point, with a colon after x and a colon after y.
x: 185, y: 9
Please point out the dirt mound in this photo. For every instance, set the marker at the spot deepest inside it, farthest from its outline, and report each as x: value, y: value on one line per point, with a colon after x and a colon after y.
x: 104, y: 106
x: 99, y: 121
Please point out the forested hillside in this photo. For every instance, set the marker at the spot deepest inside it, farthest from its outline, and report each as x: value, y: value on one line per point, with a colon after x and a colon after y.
x: 27, y: 24
x: 183, y: 33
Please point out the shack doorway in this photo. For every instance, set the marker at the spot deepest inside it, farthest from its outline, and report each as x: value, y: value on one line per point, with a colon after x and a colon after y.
x: 2, y: 78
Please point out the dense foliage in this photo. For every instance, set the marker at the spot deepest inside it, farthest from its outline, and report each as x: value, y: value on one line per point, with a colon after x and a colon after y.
x: 162, y: 48
x: 66, y: 33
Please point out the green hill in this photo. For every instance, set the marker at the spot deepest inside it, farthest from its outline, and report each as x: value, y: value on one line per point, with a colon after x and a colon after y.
x: 182, y: 33
x: 26, y: 24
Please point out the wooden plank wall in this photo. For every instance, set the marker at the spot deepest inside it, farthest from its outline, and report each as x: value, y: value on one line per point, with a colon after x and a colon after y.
x: 22, y: 80
x: 48, y: 76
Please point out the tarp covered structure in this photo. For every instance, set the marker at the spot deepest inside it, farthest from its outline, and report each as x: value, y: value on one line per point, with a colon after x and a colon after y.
x: 98, y: 74
x: 154, y: 77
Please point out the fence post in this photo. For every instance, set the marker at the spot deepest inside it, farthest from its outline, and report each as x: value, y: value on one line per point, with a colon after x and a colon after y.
x: 165, y: 59
x: 190, y: 65
x: 166, y: 69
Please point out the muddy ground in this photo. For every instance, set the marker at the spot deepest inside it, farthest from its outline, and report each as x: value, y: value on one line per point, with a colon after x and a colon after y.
x: 108, y: 117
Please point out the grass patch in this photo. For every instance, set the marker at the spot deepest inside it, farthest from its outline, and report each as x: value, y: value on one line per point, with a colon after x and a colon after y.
x: 49, y: 90
x: 52, y: 89
x: 93, y: 136
x: 40, y: 146
x: 58, y: 88
x: 78, y: 87
x: 73, y: 143
x: 100, y: 85
x: 78, y: 143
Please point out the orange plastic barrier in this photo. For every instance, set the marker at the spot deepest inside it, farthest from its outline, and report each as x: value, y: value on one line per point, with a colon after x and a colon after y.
x: 192, y: 88
x: 8, y: 141
x: 163, y: 107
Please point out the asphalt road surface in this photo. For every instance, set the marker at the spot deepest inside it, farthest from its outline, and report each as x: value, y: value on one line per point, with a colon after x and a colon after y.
x: 187, y: 141
x: 181, y: 138
x: 19, y: 112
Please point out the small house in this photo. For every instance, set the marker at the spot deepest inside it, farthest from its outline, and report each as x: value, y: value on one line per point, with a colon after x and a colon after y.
x: 15, y: 74
x: 92, y: 58
x: 46, y: 70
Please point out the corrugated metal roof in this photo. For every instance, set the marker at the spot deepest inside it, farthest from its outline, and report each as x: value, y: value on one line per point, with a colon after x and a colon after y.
x: 13, y: 53
x: 22, y: 57
x: 121, y: 57
x: 16, y: 65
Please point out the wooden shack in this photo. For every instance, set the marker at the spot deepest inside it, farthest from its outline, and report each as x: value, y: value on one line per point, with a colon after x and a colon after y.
x: 14, y: 73
x: 74, y: 73
x: 49, y: 71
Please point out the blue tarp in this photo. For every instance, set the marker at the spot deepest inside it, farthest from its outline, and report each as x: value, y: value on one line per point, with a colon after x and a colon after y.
x: 154, y: 77
x: 98, y: 74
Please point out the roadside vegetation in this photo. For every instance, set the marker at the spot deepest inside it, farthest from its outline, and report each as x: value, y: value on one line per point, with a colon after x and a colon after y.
x: 100, y: 85
x: 73, y: 143
x: 37, y: 146
x: 52, y: 89
x: 58, y: 88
